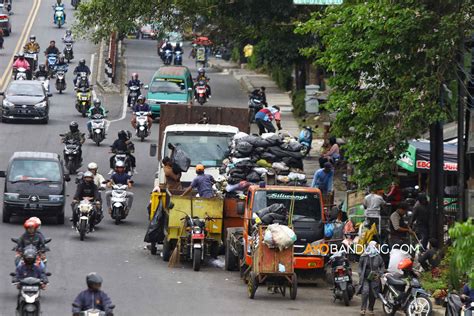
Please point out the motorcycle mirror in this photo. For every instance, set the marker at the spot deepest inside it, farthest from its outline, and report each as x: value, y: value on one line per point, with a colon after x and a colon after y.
x: 3, y: 174
x: 2, y: 93
x: 145, y: 86
x: 48, y: 274
x: 47, y: 240
x: 67, y: 177
x: 49, y: 95
x: 111, y: 306
x: 15, y: 240
x: 12, y: 274
x: 153, y: 150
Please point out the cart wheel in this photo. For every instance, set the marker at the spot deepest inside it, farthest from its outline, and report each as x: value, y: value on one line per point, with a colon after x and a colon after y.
x: 252, y: 285
x: 293, y: 286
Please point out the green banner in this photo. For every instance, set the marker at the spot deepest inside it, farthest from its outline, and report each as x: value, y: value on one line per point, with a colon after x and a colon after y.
x: 407, y: 159
x: 317, y: 2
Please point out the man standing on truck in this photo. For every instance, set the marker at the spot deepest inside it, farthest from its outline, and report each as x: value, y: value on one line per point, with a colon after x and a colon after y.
x: 323, y: 179
x: 172, y: 174
x: 202, y: 183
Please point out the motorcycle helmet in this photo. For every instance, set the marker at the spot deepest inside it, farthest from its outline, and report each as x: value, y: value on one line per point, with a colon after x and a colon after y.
x: 201, y: 71
x: 68, y: 32
x: 29, y: 255
x: 88, y: 174
x: 73, y: 126
x: 141, y: 99
x: 42, y: 67
x: 21, y: 55
x: 36, y: 220
x: 97, y: 103
x: 119, y: 164
x: 93, y: 279
x: 123, y: 135
x: 134, y: 76
x: 82, y: 62
x: 92, y: 166
x: 32, y: 38
x: 29, y: 223
x: 405, y: 264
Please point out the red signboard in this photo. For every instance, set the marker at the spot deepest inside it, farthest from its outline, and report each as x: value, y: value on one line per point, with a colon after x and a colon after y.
x: 448, y: 166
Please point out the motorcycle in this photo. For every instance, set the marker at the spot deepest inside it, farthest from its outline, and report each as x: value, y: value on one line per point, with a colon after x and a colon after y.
x: 306, y: 140
x: 201, y: 92
x: 75, y: 3
x: 98, y: 125
x: 60, y: 78
x: 83, y: 100
x: 85, y: 211
x: 342, y: 276
x: 123, y: 156
x: 68, y: 52
x: 142, y: 124
x: 41, y: 258
x: 72, y: 155
x: 168, y: 57
x: 32, y: 57
x: 59, y: 16
x: 52, y: 59
x: 45, y: 81
x: 255, y: 105
x: 195, y: 248
x: 178, y: 58
x: 404, y: 292
x: 119, y: 202
x: 20, y: 73
x: 133, y: 93
x: 28, y: 296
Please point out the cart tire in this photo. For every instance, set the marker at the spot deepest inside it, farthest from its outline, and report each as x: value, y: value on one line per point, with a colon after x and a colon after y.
x: 231, y: 261
x: 252, y: 285
x: 197, y: 259
x: 294, y: 286
x: 167, y: 249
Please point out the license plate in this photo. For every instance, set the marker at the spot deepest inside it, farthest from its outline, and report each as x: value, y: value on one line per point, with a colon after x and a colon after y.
x: 342, y: 279
x: 29, y: 288
x: 23, y: 111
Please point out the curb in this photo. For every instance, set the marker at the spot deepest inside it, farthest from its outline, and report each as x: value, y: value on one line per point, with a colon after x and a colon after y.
x: 101, y: 82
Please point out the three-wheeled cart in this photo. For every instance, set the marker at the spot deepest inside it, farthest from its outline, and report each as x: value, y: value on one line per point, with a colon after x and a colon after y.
x: 271, y: 266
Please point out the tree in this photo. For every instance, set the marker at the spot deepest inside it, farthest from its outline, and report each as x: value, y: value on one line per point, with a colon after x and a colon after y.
x: 390, y: 60
x: 462, y: 235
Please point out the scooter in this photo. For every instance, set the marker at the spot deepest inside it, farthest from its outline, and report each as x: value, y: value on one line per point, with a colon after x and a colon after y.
x: 33, y: 58
x: 133, y: 93
x: 255, y: 105
x: 168, y: 57
x: 45, y: 81
x: 83, y: 100
x: 72, y: 155
x: 119, y: 202
x: 142, y: 125
x: 196, y: 246
x: 178, y: 58
x: 59, y: 16
x: 52, y: 59
x: 61, y: 78
x: 98, y: 125
x: 20, y: 73
x: 28, y: 296
x: 85, y: 211
x: 201, y: 92
x: 306, y: 139
x: 68, y: 52
x: 342, y: 277
x: 123, y: 156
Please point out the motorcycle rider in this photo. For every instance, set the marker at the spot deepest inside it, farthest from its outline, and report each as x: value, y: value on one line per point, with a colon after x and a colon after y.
x: 74, y: 134
x: 51, y: 49
x: 166, y: 46
x: 141, y: 106
x: 56, y: 6
x: 28, y: 269
x: 86, y: 189
x: 98, y: 178
x: 119, y: 177
x: 38, y: 222
x: 31, y: 236
x: 96, y: 108
x: 61, y: 62
x: 21, y: 62
x: 82, y: 67
x: 260, y: 95
x: 68, y: 38
x: 202, y: 77
x: 32, y: 45
x: 93, y: 297
x: 123, y: 144
x: 178, y: 48
x: 42, y: 72
x: 134, y: 82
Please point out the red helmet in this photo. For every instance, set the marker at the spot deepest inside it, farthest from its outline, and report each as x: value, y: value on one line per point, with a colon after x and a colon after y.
x: 405, y: 264
x: 36, y: 220
x: 30, y: 223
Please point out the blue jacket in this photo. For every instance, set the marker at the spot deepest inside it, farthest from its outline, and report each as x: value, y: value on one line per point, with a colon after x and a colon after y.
x: 89, y: 299
x: 23, y: 271
x: 120, y: 178
x: 141, y: 107
x: 323, y: 181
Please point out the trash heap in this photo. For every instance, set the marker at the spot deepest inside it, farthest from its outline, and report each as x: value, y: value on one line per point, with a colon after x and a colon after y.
x: 256, y: 158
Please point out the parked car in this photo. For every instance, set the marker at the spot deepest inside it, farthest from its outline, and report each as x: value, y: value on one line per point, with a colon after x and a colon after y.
x: 148, y: 31
x: 34, y: 186
x: 25, y: 100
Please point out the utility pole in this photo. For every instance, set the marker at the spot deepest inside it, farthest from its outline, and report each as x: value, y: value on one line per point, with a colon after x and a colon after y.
x: 469, y: 131
x: 461, y: 128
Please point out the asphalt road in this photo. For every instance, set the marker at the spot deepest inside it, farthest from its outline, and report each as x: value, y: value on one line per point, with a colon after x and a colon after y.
x: 138, y: 283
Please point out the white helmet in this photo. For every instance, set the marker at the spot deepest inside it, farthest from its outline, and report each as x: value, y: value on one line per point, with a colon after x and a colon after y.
x: 120, y: 164
x: 92, y: 165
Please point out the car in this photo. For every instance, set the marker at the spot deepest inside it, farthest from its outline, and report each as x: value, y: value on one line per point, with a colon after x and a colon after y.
x: 34, y: 186
x: 169, y: 85
x: 25, y: 100
x: 5, y: 24
x: 148, y: 31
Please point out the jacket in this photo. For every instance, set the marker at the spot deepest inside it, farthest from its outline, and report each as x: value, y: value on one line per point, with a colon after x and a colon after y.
x: 25, y: 271
x: 80, y: 69
x: 368, y: 264
x: 93, y: 110
x: 31, y: 47
x: 132, y: 83
x: 89, y: 299
x: 77, y: 136
x: 52, y: 50
x: 36, y: 240
x: 21, y: 64
x: 120, y: 145
x: 141, y: 107
x: 87, y: 190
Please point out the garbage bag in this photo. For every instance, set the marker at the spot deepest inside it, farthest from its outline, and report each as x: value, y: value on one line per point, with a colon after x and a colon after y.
x: 244, y: 147
x: 268, y: 239
x: 272, y: 218
x: 245, y: 165
x: 260, y: 170
x: 338, y: 232
x: 274, y: 208
x: 293, y: 162
x: 156, y: 232
x: 180, y: 158
x: 328, y: 230
x: 291, y: 146
x: 240, y: 135
x: 254, y: 177
x: 283, y: 237
x: 269, y: 157
x: 297, y: 176
x: 280, y: 166
x: 454, y: 305
x: 264, y: 163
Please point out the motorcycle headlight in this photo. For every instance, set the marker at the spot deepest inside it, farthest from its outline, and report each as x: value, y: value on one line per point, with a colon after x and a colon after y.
x: 56, y: 198
x: 197, y: 229
x: 74, y: 152
x: 7, y: 103
x: 11, y: 196
x: 41, y: 104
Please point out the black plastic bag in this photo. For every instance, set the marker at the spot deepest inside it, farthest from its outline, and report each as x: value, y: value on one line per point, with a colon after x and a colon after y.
x: 293, y: 162
x: 272, y: 218
x: 274, y: 208
x: 279, y: 152
x: 180, y: 158
x: 292, y: 146
x: 156, y: 232
x: 244, y: 147
x: 253, y: 177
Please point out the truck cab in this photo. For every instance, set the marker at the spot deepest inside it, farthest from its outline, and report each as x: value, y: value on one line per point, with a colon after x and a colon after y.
x: 307, y: 220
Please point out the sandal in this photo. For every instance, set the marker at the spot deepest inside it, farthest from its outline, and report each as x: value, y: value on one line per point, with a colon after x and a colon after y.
x: 362, y: 312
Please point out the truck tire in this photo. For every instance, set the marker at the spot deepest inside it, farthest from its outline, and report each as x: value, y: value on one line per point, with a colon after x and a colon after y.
x: 231, y: 261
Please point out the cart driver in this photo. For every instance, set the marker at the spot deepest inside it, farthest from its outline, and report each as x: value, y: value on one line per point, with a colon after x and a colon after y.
x: 202, y: 183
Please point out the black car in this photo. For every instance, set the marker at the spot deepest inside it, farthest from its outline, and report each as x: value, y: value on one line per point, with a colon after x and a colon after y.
x: 34, y: 186
x: 25, y: 100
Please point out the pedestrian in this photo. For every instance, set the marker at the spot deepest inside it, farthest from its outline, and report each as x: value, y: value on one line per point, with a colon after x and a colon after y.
x: 264, y: 119
x: 248, y: 51
x: 332, y: 155
x: 373, y: 203
x: 202, y: 183
x: 371, y: 267
x: 323, y: 179
x: 399, y: 230
x: 421, y: 219
x: 430, y: 258
x: 394, y: 196
x: 172, y: 175
x: 1, y: 38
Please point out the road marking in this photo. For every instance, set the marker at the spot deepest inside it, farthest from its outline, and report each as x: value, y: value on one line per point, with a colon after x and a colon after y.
x: 124, y: 110
x: 30, y: 20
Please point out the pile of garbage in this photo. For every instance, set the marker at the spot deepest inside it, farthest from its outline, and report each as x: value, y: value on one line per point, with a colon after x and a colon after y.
x: 279, y: 236
x: 253, y: 158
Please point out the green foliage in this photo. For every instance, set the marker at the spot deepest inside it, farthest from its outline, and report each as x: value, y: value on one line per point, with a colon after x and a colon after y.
x: 282, y: 77
x: 389, y: 59
x: 297, y: 99
x: 235, y: 56
x: 462, y: 235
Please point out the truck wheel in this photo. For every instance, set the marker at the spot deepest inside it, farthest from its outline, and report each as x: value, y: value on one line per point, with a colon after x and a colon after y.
x: 294, y: 286
x: 6, y: 215
x: 197, y: 259
x: 252, y: 285
x: 231, y: 260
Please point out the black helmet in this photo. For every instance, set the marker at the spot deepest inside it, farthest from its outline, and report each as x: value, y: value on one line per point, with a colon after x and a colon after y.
x: 123, y: 135
x: 93, y: 278
x: 97, y: 103
x: 73, y: 126
x: 82, y: 62
x: 29, y: 255
x: 42, y: 67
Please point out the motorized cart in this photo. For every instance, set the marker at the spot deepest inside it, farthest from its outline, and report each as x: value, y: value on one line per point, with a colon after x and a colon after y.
x: 271, y: 266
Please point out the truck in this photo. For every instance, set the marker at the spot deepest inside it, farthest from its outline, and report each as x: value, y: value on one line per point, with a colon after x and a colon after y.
x: 307, y: 221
